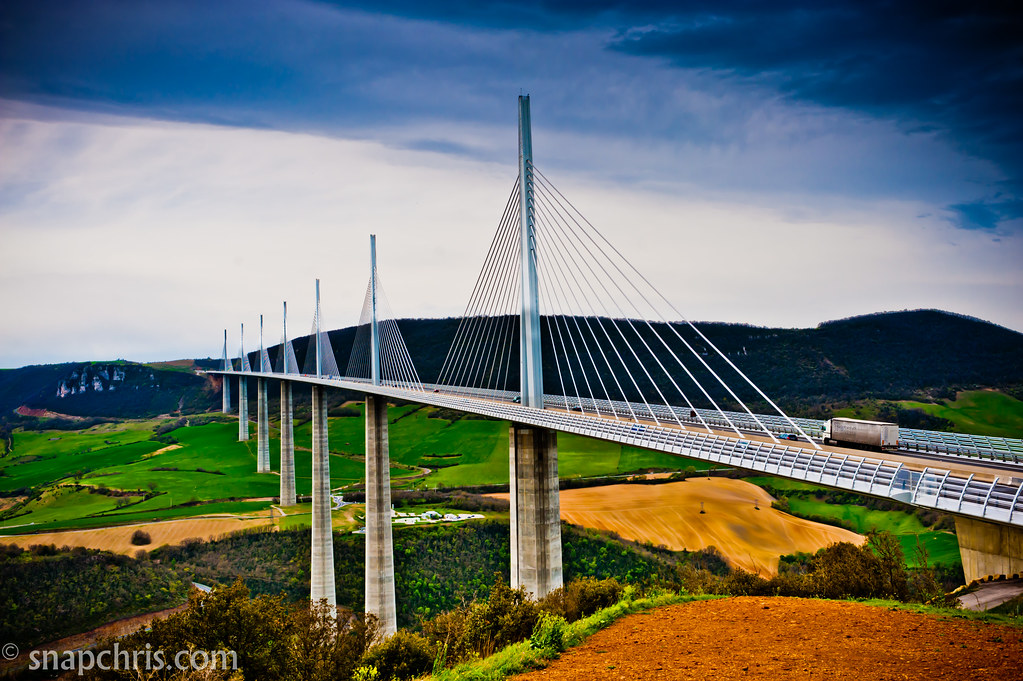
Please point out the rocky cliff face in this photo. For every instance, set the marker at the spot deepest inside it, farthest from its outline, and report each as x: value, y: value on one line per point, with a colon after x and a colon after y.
x: 108, y: 389
x: 100, y: 378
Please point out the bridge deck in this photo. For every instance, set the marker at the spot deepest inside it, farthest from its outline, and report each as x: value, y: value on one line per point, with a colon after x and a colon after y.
x: 950, y: 487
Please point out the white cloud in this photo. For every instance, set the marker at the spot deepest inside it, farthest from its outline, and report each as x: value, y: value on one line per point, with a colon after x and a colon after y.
x: 128, y: 238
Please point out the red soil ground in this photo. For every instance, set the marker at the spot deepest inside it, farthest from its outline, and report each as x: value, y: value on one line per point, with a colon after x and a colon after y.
x: 791, y: 638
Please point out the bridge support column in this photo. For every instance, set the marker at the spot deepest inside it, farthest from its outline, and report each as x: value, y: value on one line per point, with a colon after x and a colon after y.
x: 226, y: 408
x: 262, y: 428
x: 322, y: 569
x: 379, y: 546
x: 287, y: 445
x: 243, y: 408
x: 535, y: 510
x: 989, y: 549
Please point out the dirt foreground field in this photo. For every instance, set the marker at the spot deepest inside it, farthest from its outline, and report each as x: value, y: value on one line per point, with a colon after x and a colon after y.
x: 669, y: 514
x: 791, y: 638
x: 118, y: 539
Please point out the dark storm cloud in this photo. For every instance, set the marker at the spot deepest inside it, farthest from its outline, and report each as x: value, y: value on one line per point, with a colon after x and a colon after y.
x: 953, y: 68
x: 938, y: 62
x: 947, y: 69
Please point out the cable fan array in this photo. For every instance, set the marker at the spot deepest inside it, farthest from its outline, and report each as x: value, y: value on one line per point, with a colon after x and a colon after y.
x: 612, y: 344
x: 396, y: 368
x: 321, y: 341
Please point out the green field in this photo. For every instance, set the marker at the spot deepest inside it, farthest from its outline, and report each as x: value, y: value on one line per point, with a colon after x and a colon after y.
x: 980, y: 412
x: 942, y: 547
x: 983, y: 412
x: 207, y: 467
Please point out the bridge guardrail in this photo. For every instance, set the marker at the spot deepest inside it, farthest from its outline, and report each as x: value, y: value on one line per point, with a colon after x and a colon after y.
x: 969, y: 496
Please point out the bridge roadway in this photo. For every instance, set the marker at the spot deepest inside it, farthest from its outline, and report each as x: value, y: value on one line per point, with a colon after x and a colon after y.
x: 957, y: 486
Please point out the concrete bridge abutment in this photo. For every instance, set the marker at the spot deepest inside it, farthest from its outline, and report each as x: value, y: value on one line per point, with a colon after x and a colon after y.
x: 262, y: 428
x: 535, y: 510
x: 379, y: 545
x: 243, y: 409
x: 989, y: 549
x: 322, y: 569
x: 287, y: 445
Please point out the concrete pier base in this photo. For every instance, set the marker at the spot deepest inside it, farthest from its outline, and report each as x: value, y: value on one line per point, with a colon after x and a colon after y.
x: 243, y: 409
x: 262, y: 428
x: 287, y: 445
x: 535, y: 510
x: 988, y: 549
x: 226, y: 408
x: 379, y: 547
x: 322, y: 569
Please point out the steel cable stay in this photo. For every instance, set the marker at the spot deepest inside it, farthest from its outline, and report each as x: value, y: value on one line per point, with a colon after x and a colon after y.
x: 486, y: 308
x: 678, y: 420
x: 544, y: 181
x: 489, y: 327
x: 359, y: 360
x: 484, y: 302
x: 638, y: 360
x: 587, y: 321
x: 611, y: 343
x: 691, y: 349
x: 558, y: 280
x: 495, y: 247
x: 403, y: 366
x: 552, y: 314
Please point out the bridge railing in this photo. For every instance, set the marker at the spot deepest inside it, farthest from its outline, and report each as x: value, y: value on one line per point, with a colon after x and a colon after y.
x: 1000, y: 500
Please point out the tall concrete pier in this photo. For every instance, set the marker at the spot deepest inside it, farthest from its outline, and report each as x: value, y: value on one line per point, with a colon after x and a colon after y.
x: 322, y: 569
x: 227, y: 395
x: 287, y: 445
x: 243, y: 391
x: 379, y: 546
x: 535, y: 510
x: 243, y: 408
x: 287, y: 423
x: 226, y: 407
x: 262, y: 428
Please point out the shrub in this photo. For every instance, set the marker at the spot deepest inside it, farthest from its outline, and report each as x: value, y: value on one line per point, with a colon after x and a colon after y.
x: 403, y: 656
x: 549, y: 633
x: 742, y: 583
x: 844, y: 570
x: 140, y: 538
x: 582, y: 597
x: 482, y: 627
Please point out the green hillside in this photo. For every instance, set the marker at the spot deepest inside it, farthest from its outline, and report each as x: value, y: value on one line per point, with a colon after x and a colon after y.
x: 196, y: 469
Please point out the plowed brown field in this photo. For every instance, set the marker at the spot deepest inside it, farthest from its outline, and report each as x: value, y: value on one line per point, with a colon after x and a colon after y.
x: 669, y: 514
x: 791, y: 638
x: 118, y: 539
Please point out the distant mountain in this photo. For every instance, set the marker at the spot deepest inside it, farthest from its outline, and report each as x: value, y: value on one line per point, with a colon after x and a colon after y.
x: 892, y: 355
x: 106, y: 389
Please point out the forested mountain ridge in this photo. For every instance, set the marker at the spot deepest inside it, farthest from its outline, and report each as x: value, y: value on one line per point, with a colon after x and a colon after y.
x: 915, y: 354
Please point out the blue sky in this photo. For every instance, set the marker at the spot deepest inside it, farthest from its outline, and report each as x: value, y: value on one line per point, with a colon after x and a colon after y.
x: 171, y: 168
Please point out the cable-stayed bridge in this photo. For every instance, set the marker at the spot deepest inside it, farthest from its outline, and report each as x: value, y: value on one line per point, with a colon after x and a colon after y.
x: 563, y: 334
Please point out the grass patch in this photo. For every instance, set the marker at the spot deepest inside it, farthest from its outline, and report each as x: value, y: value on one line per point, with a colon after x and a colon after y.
x: 862, y: 520
x: 989, y: 617
x: 781, y: 483
x: 982, y: 412
x: 249, y: 508
x: 521, y: 657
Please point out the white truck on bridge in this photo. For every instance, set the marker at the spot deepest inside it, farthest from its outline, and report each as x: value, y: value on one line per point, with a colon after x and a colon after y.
x: 874, y: 434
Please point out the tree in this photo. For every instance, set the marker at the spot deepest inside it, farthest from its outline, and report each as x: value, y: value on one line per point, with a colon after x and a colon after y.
x: 894, y: 582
